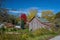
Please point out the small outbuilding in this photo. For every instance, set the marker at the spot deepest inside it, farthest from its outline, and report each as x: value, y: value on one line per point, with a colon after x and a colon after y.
x: 38, y: 22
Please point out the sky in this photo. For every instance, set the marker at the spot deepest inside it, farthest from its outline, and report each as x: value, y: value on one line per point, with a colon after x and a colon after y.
x: 18, y: 6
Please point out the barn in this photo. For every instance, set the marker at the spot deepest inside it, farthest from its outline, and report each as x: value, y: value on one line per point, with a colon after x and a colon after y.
x: 38, y: 22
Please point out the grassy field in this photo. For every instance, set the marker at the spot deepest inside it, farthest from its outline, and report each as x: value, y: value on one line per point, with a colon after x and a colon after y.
x: 41, y: 34
x: 19, y: 37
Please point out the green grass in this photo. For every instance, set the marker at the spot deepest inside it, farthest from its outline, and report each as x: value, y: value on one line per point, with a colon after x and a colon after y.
x: 19, y: 37
x: 42, y: 37
x: 41, y: 34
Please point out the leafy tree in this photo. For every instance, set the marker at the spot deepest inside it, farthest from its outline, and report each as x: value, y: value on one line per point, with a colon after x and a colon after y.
x: 22, y: 24
x: 48, y: 15
x: 3, y: 12
x: 12, y: 19
x: 32, y: 13
x: 18, y: 21
x: 57, y: 18
x: 3, y: 15
x: 6, y: 17
x: 23, y: 18
x: 57, y: 15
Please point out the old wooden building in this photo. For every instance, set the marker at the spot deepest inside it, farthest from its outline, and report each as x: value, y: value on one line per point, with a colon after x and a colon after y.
x: 38, y: 22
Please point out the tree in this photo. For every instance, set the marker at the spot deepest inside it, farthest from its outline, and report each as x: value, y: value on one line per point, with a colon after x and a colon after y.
x: 23, y: 18
x: 3, y: 12
x: 3, y: 15
x: 32, y: 13
x: 57, y: 15
x: 18, y: 20
x: 48, y: 15
x: 6, y: 17
x: 57, y: 18
x: 12, y: 19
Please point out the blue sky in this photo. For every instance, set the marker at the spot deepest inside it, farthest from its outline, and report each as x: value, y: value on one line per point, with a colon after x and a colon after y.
x: 24, y: 5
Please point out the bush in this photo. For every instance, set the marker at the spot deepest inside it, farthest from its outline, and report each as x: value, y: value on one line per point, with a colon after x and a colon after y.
x: 25, y: 36
x: 41, y: 31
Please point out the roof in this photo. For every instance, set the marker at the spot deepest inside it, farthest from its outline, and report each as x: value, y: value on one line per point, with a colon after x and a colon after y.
x: 9, y: 25
x: 31, y: 19
x: 42, y: 19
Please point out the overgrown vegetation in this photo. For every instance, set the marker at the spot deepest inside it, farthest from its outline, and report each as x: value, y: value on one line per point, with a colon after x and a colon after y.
x: 40, y: 34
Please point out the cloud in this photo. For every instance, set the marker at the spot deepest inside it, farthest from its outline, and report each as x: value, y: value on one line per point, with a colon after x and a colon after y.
x: 13, y: 11
x: 26, y: 10
x: 17, y: 12
x: 23, y: 10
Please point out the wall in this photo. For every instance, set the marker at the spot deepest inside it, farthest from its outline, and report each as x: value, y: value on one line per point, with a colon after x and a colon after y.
x: 35, y: 24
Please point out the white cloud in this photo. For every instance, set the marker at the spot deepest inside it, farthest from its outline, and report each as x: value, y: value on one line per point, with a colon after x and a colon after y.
x: 26, y: 10
x: 13, y: 11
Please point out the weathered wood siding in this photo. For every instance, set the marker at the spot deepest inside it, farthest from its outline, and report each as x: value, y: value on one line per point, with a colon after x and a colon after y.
x: 35, y: 24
